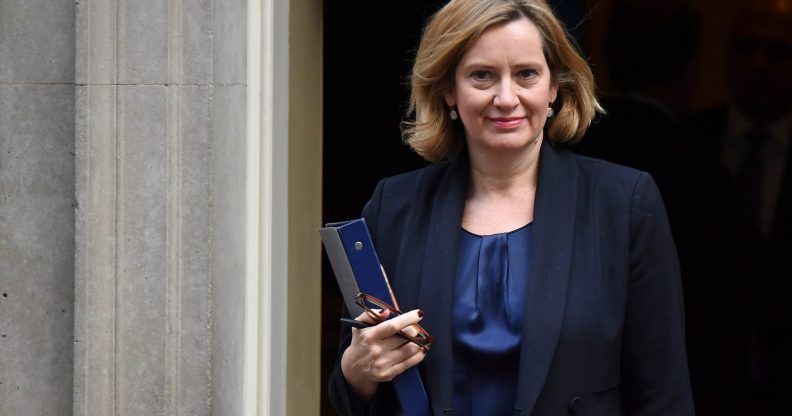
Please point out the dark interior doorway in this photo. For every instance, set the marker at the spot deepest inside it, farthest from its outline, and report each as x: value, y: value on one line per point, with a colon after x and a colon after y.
x: 368, y: 50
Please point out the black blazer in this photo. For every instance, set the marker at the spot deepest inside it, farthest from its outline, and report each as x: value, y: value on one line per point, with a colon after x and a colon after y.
x: 603, y: 324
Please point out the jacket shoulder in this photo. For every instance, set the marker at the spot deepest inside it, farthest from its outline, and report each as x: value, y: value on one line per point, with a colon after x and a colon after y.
x: 395, y: 197
x: 616, y: 186
x: 402, y: 190
x: 411, y: 182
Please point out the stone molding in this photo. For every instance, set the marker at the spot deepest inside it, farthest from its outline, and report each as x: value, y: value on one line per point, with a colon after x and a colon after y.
x: 144, y: 222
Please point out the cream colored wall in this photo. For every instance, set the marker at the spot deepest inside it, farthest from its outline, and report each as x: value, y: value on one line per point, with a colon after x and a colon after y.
x: 305, y: 207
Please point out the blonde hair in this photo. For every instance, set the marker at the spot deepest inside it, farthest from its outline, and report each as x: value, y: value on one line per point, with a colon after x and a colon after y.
x: 446, y: 38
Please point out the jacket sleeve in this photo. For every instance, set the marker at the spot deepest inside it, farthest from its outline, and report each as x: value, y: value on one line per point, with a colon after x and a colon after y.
x: 654, y: 363
x: 340, y: 394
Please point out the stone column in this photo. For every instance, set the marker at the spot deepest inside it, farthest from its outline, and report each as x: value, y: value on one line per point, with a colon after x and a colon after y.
x: 157, y: 225
x: 36, y: 206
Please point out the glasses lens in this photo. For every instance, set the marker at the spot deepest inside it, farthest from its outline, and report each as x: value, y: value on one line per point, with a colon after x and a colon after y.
x: 369, y: 303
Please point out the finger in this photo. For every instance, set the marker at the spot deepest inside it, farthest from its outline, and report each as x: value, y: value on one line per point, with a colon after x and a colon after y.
x: 367, y: 318
x: 402, y: 342
x: 410, y: 360
x: 373, y: 336
x: 378, y: 335
x: 411, y: 330
x: 383, y: 365
x: 392, y: 326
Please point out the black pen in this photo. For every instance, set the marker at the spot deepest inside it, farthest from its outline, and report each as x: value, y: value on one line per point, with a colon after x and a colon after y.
x: 355, y: 323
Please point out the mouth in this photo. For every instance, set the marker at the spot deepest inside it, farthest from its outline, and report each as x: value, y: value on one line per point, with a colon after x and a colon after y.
x: 506, y: 122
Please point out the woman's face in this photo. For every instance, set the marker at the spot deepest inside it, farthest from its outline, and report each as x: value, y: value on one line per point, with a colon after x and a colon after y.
x: 502, y: 88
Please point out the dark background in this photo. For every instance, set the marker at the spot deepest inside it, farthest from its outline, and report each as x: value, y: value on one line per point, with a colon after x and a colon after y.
x: 368, y: 50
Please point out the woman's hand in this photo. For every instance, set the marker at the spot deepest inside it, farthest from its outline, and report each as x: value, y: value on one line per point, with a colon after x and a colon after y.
x: 378, y: 354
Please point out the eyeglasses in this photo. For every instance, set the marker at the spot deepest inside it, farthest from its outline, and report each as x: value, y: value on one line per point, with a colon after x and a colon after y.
x: 419, y: 335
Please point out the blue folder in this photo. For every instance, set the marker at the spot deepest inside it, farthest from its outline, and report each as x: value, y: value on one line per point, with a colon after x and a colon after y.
x: 357, y: 269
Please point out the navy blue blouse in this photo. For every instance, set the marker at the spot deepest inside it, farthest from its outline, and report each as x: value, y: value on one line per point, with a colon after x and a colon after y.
x: 489, y: 294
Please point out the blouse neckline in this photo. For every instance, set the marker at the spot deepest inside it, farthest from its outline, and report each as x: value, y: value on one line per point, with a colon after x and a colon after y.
x: 506, y: 233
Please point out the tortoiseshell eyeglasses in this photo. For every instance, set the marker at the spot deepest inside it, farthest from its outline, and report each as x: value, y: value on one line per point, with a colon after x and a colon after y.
x: 413, y: 333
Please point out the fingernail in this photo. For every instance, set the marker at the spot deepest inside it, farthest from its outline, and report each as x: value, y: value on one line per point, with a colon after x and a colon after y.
x: 420, y: 313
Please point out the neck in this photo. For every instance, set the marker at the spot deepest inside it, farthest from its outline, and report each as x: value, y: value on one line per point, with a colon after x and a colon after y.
x: 505, y: 173
x: 502, y: 189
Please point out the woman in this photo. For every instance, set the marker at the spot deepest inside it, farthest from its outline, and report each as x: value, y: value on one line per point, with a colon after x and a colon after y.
x: 548, y: 280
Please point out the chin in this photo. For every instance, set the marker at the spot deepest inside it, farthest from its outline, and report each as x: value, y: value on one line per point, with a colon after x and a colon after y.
x: 510, y: 145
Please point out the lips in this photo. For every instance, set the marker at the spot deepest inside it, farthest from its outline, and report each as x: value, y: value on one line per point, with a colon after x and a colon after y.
x: 506, y: 122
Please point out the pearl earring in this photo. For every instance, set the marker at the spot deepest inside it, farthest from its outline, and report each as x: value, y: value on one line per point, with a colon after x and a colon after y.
x: 550, y: 112
x: 453, y: 114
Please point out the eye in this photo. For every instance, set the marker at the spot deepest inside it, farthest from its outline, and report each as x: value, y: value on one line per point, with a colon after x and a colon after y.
x: 481, y: 75
x: 527, y: 73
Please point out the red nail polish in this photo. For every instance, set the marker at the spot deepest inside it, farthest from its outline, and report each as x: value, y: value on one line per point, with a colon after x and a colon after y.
x: 420, y: 313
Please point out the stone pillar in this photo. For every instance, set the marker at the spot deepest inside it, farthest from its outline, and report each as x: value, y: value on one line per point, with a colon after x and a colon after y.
x: 36, y: 206
x: 159, y: 186
x: 229, y: 40
x: 123, y: 205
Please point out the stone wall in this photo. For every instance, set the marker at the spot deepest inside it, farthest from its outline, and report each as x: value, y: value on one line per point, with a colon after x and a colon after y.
x: 122, y: 186
x: 36, y: 206
x: 123, y: 211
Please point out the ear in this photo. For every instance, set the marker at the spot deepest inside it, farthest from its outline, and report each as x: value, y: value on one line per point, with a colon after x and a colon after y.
x: 450, y: 97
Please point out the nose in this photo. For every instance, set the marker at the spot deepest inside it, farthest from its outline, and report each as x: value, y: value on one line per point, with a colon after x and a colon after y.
x: 506, y: 94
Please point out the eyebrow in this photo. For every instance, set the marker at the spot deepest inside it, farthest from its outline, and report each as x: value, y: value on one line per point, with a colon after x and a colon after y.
x: 480, y: 64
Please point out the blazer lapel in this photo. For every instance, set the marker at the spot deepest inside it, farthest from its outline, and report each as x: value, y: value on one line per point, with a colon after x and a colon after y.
x: 553, y: 231
x: 438, y: 273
